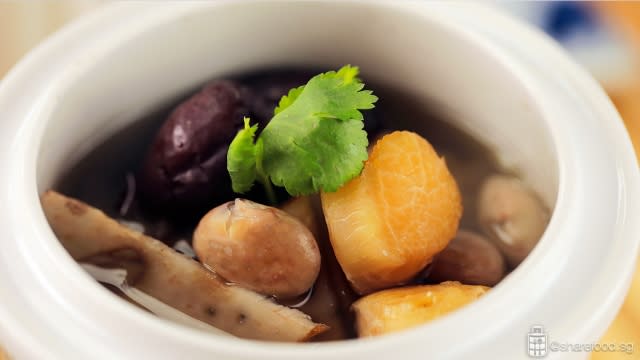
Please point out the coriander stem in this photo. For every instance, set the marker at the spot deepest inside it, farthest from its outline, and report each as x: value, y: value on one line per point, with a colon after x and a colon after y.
x: 271, y: 194
x: 262, y: 176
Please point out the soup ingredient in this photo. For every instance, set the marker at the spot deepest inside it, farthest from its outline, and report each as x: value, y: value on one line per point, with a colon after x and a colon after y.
x: 315, y: 141
x: 270, y: 86
x: 159, y: 271
x: 182, y: 246
x: 402, y: 308
x: 261, y: 248
x: 244, y: 161
x: 332, y: 294
x: 387, y: 224
x: 512, y: 215
x: 305, y: 209
x: 469, y: 258
x: 186, y: 162
x: 118, y: 278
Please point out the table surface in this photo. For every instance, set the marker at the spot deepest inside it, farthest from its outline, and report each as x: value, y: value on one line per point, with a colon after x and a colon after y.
x: 24, y: 24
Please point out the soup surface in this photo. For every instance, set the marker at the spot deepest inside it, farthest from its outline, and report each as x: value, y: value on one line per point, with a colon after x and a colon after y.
x: 108, y: 178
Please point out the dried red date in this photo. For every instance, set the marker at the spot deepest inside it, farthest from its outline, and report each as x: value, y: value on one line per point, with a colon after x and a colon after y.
x: 185, y: 167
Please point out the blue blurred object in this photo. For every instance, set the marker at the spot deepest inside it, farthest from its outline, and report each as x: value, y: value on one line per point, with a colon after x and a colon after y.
x: 577, y: 26
x: 566, y: 18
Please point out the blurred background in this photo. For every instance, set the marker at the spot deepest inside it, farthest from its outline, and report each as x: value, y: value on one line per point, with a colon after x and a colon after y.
x: 602, y: 36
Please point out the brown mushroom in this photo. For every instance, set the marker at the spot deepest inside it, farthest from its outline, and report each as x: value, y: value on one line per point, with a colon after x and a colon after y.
x: 469, y: 258
x: 511, y: 215
x: 258, y: 247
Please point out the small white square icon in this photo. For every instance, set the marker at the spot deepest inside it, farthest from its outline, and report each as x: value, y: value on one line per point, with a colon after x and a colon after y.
x: 537, y: 342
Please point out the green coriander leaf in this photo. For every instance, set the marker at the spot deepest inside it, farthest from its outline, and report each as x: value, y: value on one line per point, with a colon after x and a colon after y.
x: 347, y: 73
x: 315, y: 141
x: 288, y: 99
x: 320, y: 156
x: 333, y: 94
x: 242, y: 157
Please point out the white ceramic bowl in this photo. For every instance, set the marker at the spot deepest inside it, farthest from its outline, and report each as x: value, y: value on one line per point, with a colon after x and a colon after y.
x: 506, y: 84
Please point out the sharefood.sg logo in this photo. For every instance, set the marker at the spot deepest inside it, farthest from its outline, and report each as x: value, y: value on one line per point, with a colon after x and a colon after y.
x: 537, y: 342
x: 538, y: 345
